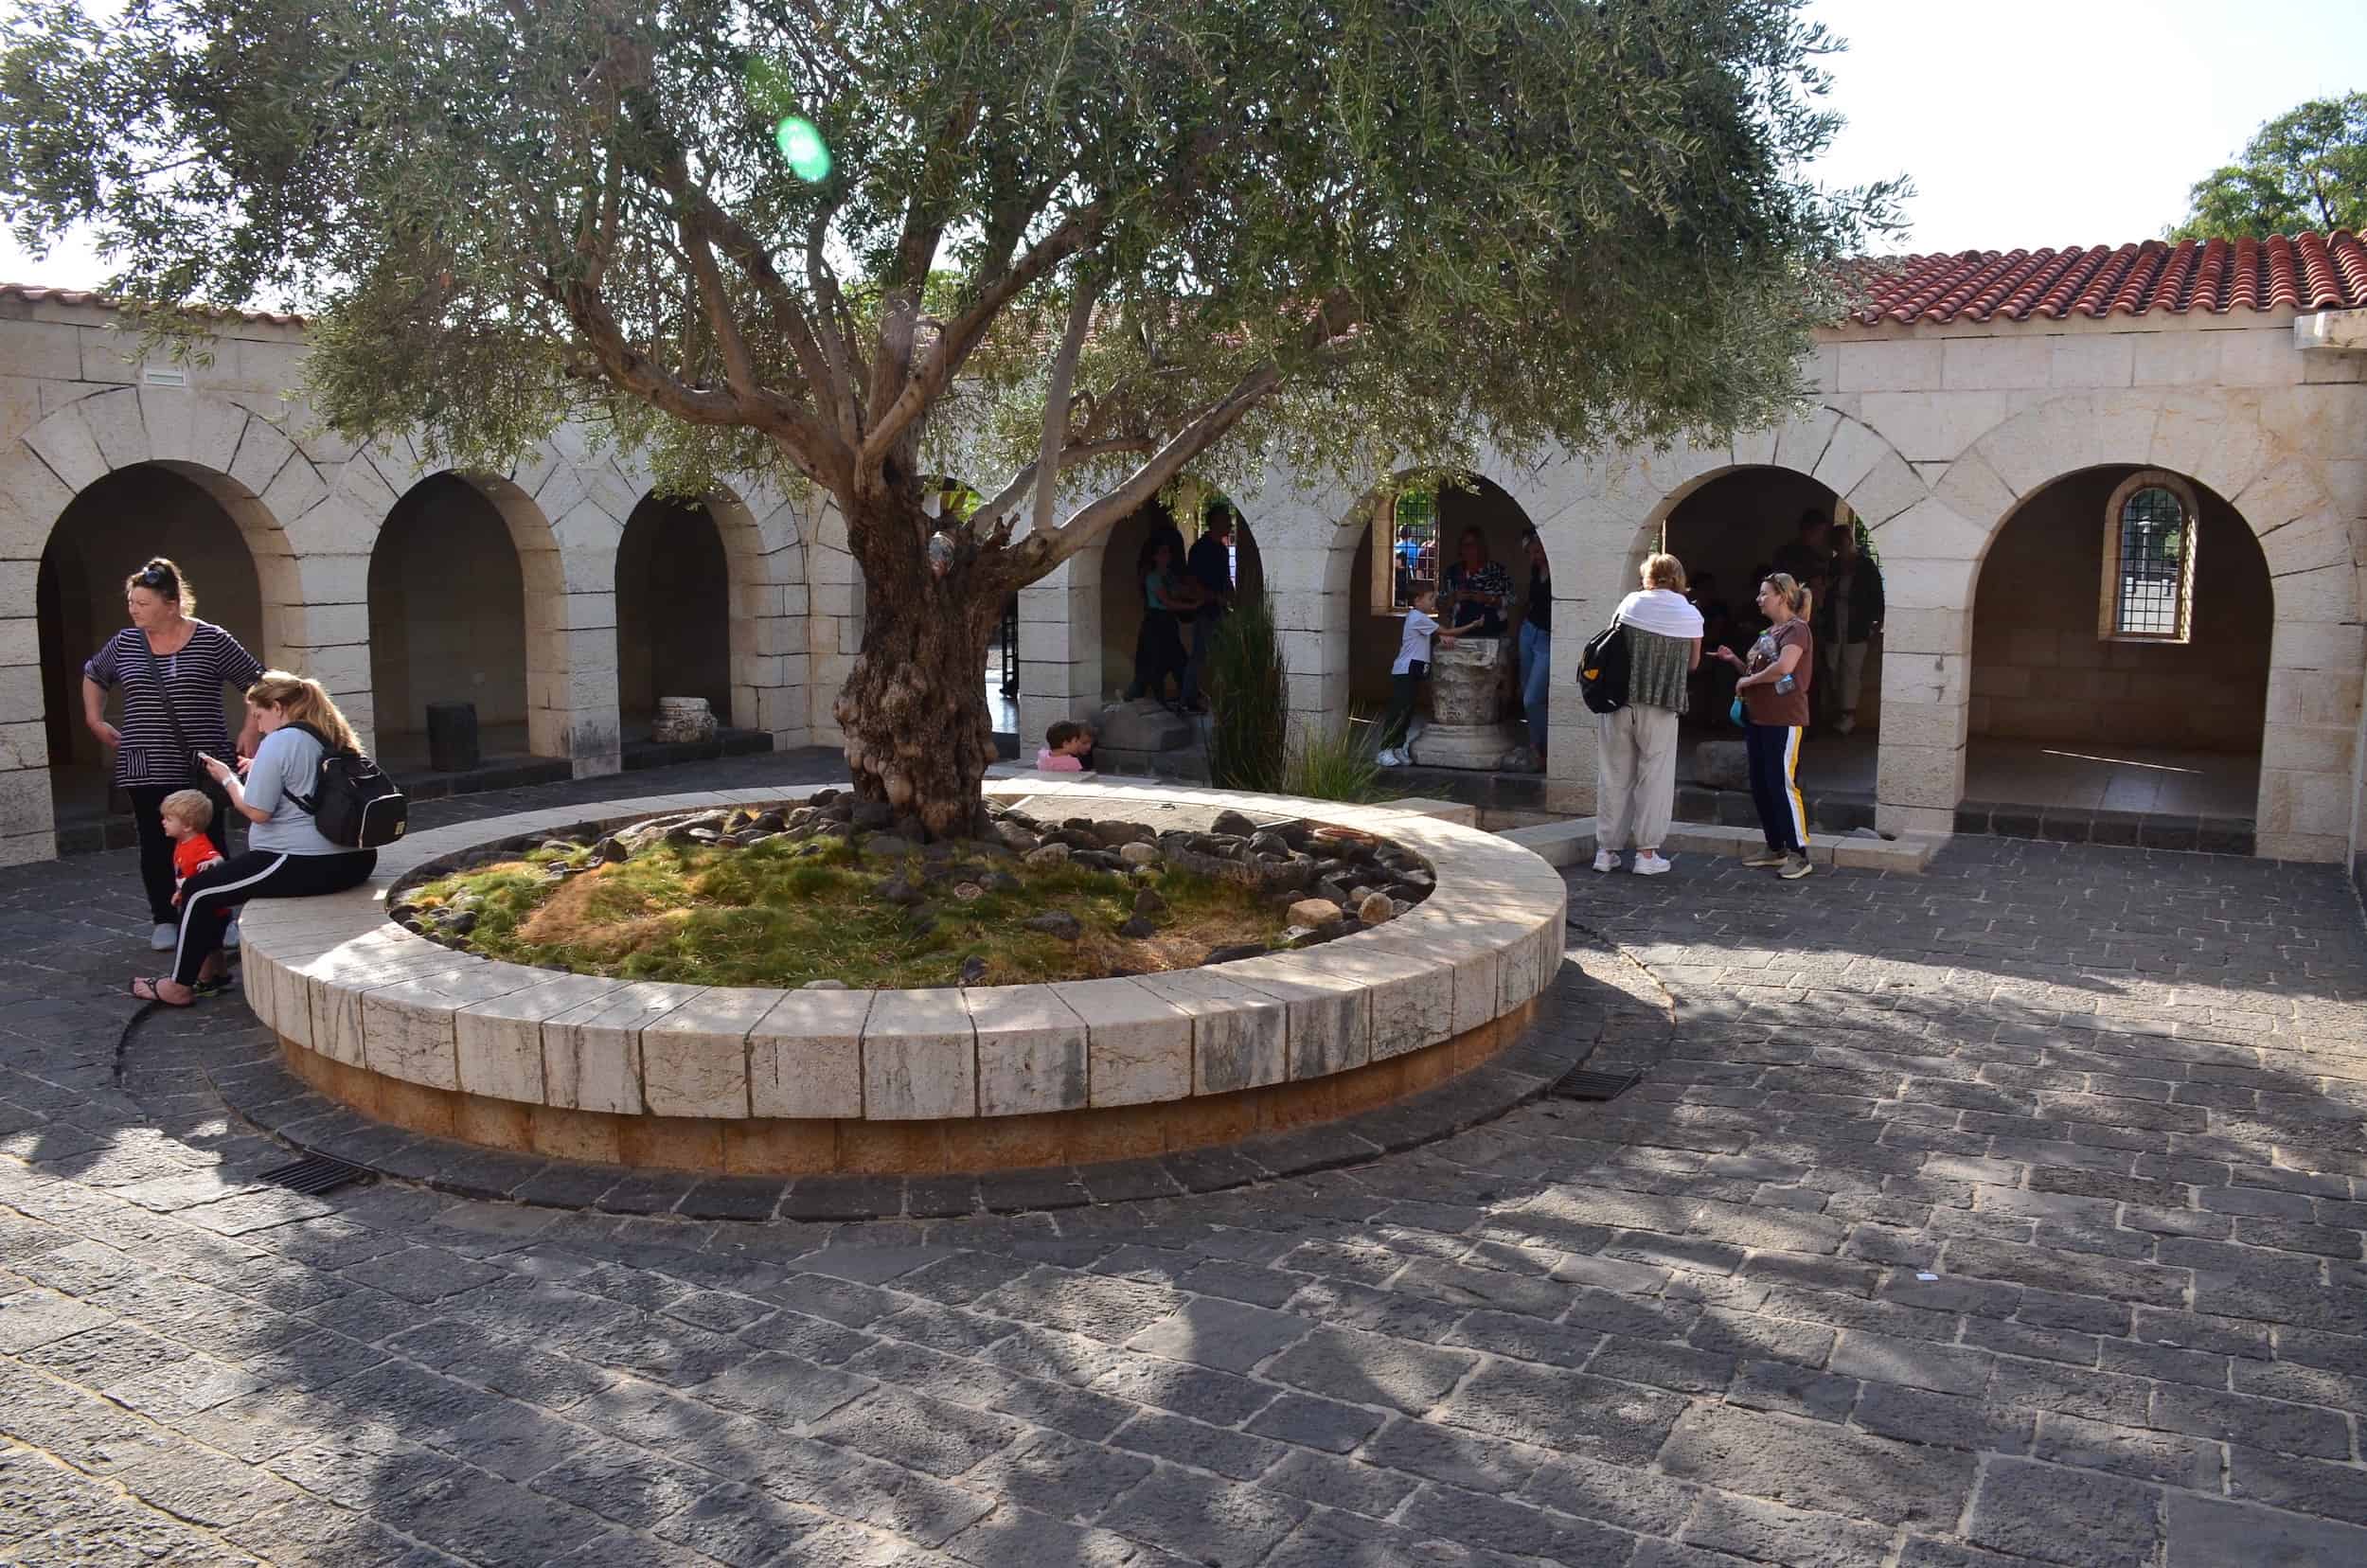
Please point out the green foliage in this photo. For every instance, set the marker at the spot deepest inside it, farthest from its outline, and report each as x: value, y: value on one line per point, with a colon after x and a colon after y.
x: 2304, y: 171
x: 1337, y: 764
x: 781, y: 914
x: 1363, y: 236
x: 1249, y: 727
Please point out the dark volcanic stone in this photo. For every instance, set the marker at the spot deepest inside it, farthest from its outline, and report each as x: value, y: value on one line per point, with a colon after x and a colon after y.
x: 973, y: 971
x: 1148, y: 903
x: 1138, y: 928
x: 896, y: 890
x: 1053, y: 922
x: 1232, y: 823
x: 1234, y: 950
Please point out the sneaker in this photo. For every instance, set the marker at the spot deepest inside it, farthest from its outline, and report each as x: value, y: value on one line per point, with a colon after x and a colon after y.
x: 1391, y: 759
x: 1651, y: 865
x: 230, y: 935
x: 1844, y: 725
x: 1765, y: 857
x: 165, y: 938
x: 1795, y: 867
x: 1606, y: 861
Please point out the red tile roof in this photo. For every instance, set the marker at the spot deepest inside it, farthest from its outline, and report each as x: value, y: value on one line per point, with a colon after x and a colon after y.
x: 2308, y: 271
x: 35, y: 293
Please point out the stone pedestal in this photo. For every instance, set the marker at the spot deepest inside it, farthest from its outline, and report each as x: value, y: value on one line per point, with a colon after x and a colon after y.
x: 1143, y: 736
x: 1467, y: 728
x: 681, y: 719
x: 1721, y: 765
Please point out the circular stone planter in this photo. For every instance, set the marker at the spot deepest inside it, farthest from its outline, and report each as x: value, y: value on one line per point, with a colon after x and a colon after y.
x: 771, y: 1082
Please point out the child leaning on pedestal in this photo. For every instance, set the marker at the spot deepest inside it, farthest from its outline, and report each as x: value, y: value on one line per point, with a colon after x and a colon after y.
x: 1410, y: 668
x: 1066, y: 746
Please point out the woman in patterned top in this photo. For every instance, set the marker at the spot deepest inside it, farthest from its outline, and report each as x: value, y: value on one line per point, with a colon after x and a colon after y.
x: 1475, y: 587
x: 172, y: 667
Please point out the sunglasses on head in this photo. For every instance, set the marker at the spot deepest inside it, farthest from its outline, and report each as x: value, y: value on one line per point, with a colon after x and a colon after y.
x: 154, y: 577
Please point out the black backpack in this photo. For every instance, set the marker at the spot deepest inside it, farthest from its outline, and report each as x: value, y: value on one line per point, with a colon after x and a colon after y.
x: 1603, y: 671
x: 356, y: 805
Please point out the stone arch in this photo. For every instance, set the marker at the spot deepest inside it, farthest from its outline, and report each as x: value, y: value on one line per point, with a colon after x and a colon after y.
x: 243, y: 464
x: 752, y: 632
x: 1933, y: 554
x: 566, y: 596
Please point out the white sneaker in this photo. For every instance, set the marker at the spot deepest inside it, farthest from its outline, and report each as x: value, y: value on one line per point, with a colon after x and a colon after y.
x: 1606, y: 861
x: 1391, y: 759
x: 230, y: 935
x: 165, y: 938
x: 1650, y: 866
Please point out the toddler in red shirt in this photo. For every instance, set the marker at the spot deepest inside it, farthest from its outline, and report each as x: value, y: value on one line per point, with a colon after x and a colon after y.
x: 187, y: 815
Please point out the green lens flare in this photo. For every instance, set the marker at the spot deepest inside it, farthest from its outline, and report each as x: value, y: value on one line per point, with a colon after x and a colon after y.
x: 801, y: 143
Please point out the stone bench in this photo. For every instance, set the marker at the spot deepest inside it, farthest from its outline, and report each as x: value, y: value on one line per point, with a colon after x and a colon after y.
x: 411, y: 1032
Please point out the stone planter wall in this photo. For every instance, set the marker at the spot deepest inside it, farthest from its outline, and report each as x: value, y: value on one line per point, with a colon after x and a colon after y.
x: 413, y: 1033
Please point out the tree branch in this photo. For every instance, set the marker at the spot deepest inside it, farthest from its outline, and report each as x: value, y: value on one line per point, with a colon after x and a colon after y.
x: 962, y: 335
x: 1081, y: 315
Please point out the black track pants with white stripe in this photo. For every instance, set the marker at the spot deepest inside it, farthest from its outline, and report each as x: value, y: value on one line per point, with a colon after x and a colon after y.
x: 257, y: 873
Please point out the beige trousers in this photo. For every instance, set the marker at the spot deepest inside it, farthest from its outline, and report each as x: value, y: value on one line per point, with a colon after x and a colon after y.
x: 1635, y: 787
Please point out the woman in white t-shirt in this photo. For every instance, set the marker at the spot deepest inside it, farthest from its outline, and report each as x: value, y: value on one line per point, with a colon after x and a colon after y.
x: 1409, y: 670
x: 286, y: 856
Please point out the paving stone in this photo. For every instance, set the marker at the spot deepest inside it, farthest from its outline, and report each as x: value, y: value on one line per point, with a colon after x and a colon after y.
x: 1813, y: 1465
x: 1371, y: 1369
x: 911, y: 1428
x: 1573, y: 1413
x: 1219, y: 1524
x: 2067, y: 1516
x: 1767, y: 1533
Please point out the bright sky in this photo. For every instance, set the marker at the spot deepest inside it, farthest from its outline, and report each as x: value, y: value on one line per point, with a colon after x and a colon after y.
x: 2022, y: 122
x: 2068, y: 122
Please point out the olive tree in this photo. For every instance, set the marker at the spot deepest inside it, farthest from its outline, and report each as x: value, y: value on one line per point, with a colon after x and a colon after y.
x: 2305, y: 169
x: 1064, y: 249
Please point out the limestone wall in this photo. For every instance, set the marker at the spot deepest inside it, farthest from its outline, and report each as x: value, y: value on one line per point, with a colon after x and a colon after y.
x: 1934, y: 434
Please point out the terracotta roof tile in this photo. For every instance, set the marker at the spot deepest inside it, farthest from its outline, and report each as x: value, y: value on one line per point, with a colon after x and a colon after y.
x: 2306, y: 272
x: 35, y: 293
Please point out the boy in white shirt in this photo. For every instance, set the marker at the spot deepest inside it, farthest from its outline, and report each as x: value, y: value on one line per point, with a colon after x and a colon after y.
x: 1409, y: 670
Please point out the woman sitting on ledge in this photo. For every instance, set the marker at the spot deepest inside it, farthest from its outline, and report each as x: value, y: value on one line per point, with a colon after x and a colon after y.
x: 286, y: 855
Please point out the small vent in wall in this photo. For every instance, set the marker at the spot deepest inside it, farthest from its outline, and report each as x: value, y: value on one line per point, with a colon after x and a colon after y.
x: 165, y: 375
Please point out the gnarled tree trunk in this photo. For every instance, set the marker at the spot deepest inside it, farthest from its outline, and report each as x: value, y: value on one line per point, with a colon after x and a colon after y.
x: 914, y: 710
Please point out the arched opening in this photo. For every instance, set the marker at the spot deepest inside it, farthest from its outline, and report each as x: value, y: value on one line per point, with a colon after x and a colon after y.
x: 449, y: 622
x: 1469, y: 714
x: 2112, y: 699
x: 107, y: 532
x: 673, y: 613
x: 1731, y: 532
x: 1190, y: 510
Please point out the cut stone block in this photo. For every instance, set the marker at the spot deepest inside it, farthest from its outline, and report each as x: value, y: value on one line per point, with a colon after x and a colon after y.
x: 592, y: 1052
x: 920, y: 1057
x: 500, y: 1038
x: 1031, y: 1050
x: 1138, y: 1046
x: 694, y: 1061
x: 1328, y: 1017
x: 805, y: 1056
x: 1239, y: 1037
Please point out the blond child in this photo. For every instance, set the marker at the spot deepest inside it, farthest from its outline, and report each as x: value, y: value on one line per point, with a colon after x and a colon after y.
x: 187, y: 816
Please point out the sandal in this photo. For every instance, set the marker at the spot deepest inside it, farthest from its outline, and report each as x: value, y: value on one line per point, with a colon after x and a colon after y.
x: 144, y: 988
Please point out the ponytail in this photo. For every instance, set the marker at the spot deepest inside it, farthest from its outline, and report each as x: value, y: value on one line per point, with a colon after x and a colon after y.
x: 306, y: 702
x: 1792, y: 592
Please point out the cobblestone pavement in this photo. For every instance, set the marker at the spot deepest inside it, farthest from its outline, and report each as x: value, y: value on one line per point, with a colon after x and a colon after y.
x: 2009, y: 1214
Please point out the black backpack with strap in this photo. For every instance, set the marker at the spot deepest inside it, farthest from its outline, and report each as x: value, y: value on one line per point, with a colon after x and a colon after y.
x: 1603, y: 671
x: 353, y: 804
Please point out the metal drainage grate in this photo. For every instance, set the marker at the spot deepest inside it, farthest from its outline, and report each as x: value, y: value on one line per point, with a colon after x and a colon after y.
x: 1582, y: 1084
x: 316, y: 1174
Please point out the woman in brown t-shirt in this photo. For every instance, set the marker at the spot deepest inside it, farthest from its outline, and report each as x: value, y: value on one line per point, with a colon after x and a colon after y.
x: 1774, y: 694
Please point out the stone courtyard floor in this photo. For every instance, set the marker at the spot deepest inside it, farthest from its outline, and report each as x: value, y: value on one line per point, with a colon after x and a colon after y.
x: 2008, y: 1214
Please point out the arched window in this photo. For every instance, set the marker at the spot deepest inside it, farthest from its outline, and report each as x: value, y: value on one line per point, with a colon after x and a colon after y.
x: 2148, y: 560
x: 1405, y: 548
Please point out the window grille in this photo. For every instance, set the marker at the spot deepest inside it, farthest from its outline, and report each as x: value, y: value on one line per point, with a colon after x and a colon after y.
x: 1405, y: 548
x: 2149, y: 585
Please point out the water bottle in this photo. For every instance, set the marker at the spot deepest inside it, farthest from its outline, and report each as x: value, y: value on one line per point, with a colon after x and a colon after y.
x: 1786, y: 685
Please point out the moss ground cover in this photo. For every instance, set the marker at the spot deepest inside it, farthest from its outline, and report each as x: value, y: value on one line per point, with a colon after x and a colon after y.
x: 779, y: 912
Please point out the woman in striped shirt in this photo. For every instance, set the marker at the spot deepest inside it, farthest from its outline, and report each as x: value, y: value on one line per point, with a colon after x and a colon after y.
x: 172, y: 667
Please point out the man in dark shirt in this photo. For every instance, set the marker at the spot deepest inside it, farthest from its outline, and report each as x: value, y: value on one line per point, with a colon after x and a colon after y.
x: 1808, y: 557
x: 1211, y: 566
x: 1537, y: 644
